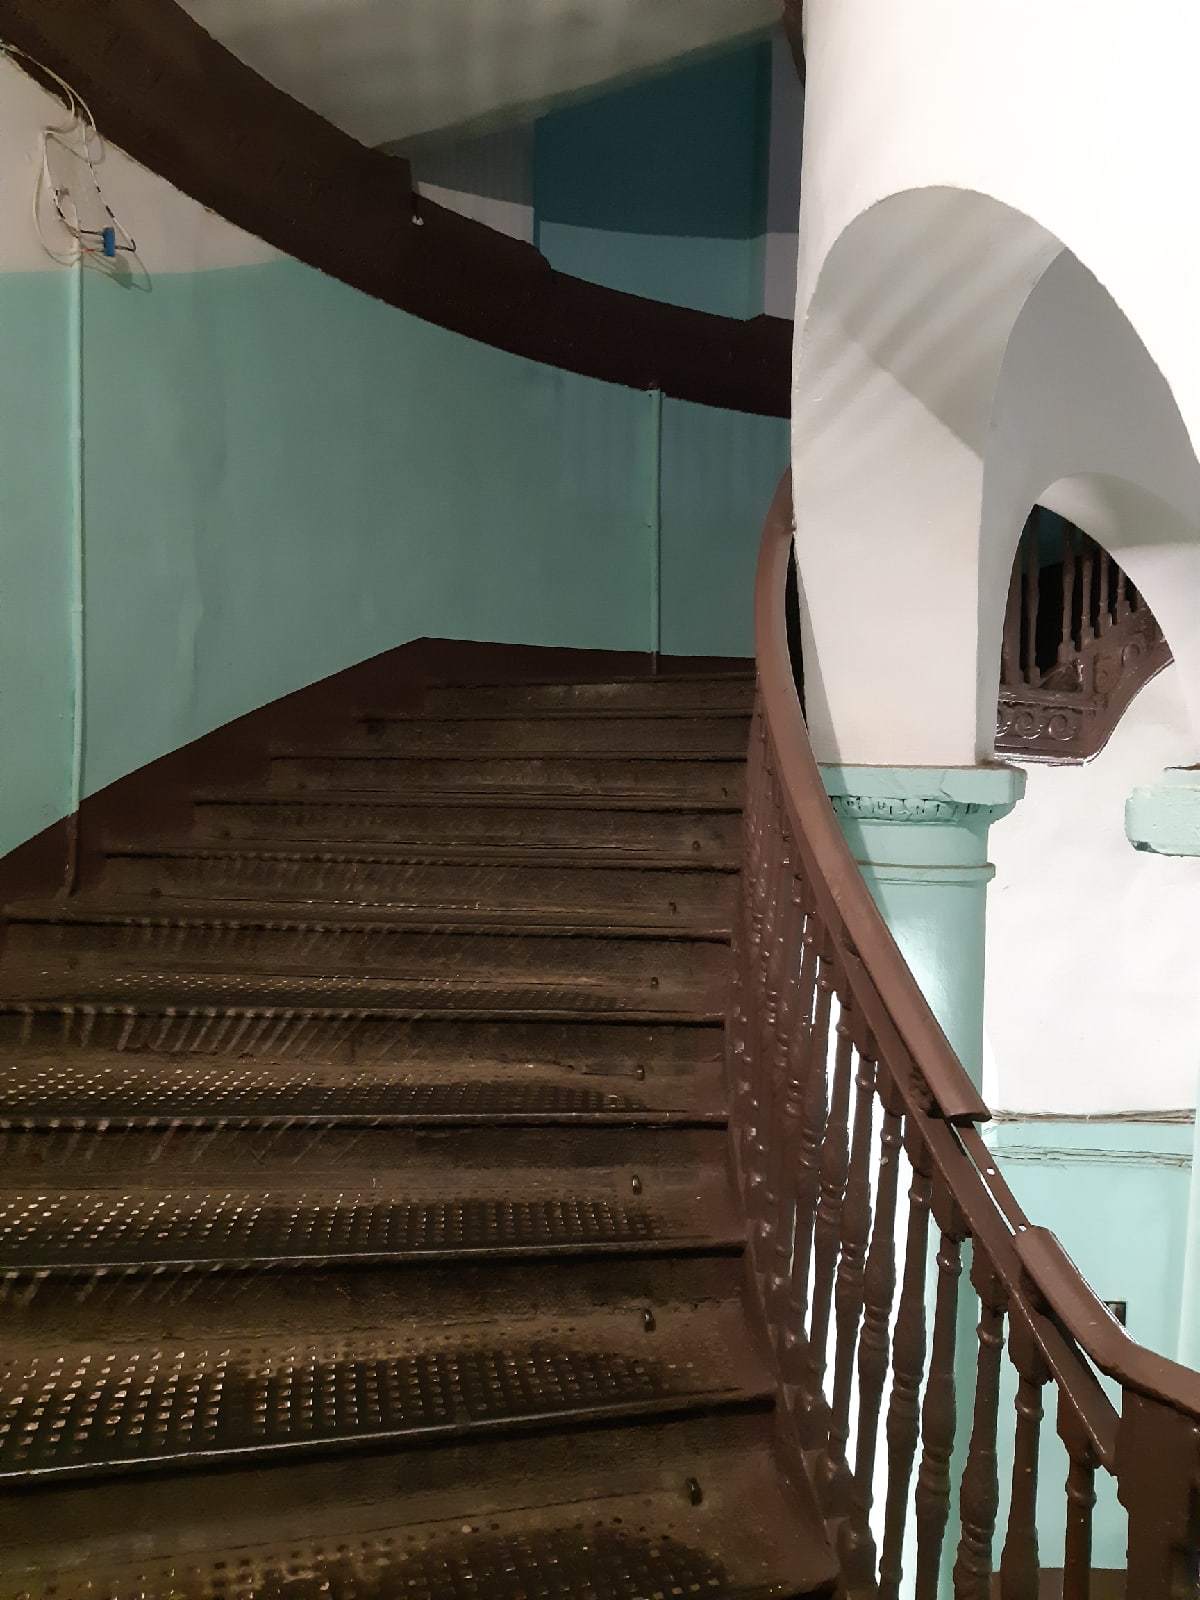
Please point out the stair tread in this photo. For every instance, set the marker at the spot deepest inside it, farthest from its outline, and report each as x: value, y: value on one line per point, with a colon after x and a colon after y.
x: 467, y: 801
x: 601, y: 1515
x: 270, y: 848
x: 97, y: 1087
x: 85, y: 1406
x: 539, y: 714
x: 107, y: 910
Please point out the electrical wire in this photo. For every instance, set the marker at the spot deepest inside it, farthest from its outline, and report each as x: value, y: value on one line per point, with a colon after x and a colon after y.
x: 79, y: 138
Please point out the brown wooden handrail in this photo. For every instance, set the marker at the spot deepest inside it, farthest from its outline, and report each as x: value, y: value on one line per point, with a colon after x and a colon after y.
x: 841, y: 1079
x: 183, y: 105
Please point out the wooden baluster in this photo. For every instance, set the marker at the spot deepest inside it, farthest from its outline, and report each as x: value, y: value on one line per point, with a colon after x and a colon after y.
x: 1010, y: 648
x: 908, y: 1369
x: 759, y: 1107
x: 1104, y: 616
x: 791, y: 1000
x: 1066, y: 643
x: 1020, y: 1570
x: 1123, y: 587
x: 792, y: 1273
x: 1087, y: 609
x: 1032, y: 580
x: 938, y: 1413
x: 980, y: 1496
x: 1081, y: 1499
x: 855, y: 1548
x: 879, y: 1287
x: 827, y: 1227
x: 763, y: 1204
x: 787, y: 1133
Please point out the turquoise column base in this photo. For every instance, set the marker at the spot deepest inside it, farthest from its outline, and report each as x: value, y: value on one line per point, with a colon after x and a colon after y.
x: 1164, y: 818
x: 920, y: 836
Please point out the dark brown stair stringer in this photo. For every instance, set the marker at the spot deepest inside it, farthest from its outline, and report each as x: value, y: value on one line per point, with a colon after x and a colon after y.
x: 291, y: 1173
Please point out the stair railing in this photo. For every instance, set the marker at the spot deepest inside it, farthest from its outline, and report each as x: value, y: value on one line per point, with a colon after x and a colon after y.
x: 1079, y: 642
x: 842, y: 1081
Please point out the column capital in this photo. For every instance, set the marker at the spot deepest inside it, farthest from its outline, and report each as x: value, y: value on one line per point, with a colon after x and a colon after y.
x: 1164, y: 817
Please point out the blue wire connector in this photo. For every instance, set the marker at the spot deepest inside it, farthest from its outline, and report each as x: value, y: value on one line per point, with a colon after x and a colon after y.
x: 108, y: 242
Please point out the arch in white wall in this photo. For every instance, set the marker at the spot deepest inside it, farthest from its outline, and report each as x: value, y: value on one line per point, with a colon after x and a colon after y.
x: 957, y: 364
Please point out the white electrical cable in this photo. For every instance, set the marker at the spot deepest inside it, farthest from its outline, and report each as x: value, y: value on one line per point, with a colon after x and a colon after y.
x: 80, y: 138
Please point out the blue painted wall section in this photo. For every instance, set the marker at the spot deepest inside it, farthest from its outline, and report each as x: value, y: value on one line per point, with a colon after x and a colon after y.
x: 661, y: 189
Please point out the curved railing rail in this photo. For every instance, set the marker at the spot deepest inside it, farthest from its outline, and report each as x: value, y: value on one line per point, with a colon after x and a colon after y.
x: 841, y: 1082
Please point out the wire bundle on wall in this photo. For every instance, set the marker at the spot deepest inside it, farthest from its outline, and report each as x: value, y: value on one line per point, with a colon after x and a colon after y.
x: 80, y: 139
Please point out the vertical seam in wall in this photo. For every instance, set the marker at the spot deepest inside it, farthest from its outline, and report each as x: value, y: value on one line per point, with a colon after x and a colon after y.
x: 656, y: 400
x: 77, y: 580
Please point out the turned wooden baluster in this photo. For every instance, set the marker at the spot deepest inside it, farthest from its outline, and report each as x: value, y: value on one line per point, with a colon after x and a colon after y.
x: 879, y: 1288
x: 1087, y: 606
x: 856, y: 1551
x: 740, y: 1073
x: 908, y: 1368
x: 827, y: 1228
x: 1032, y: 579
x: 938, y: 1412
x: 760, y: 1200
x: 792, y: 1269
x: 1066, y: 643
x: 1020, y: 1568
x: 1081, y: 1500
x: 980, y: 1496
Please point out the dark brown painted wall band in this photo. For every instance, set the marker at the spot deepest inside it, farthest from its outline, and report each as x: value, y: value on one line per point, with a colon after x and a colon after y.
x: 159, y: 796
x: 166, y: 92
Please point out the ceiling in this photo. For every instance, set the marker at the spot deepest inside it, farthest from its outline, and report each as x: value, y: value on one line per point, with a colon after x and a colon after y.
x: 391, y: 70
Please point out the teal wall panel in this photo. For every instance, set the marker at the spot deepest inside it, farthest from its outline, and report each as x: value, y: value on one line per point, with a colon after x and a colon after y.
x: 38, y: 461
x: 719, y: 471
x: 1116, y: 1194
x: 284, y: 477
x: 660, y: 189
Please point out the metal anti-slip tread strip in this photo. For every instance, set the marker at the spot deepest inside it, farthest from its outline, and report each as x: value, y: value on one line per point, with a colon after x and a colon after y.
x: 230, y: 1092
x: 92, y: 1408
x: 581, y: 1561
x: 266, y: 799
x: 104, y: 1230
x: 565, y: 714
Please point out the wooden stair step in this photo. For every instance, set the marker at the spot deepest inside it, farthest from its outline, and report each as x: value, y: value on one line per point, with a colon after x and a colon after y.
x: 487, y: 890
x: 690, y: 1507
x: 720, y: 692
x: 136, y: 1199
x: 616, y: 832
x: 554, y: 733
x: 50, y: 948
x: 356, y: 1365
x: 682, y: 780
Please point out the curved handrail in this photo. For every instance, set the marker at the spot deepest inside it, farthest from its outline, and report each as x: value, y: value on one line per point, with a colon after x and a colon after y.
x: 870, y: 940
x: 183, y: 105
x: 811, y: 946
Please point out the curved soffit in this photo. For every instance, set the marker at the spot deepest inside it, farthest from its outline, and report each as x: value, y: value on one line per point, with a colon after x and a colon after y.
x: 183, y: 105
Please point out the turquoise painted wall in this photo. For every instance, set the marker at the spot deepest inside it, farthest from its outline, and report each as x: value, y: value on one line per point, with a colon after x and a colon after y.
x: 661, y: 189
x: 38, y: 474
x: 1116, y: 1194
x: 282, y: 477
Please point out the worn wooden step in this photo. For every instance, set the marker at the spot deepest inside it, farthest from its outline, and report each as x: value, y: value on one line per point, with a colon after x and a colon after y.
x: 684, y: 781
x: 139, y: 1200
x: 360, y: 1040
x: 483, y: 890
x: 723, y: 734
x: 262, y: 1366
x: 49, y: 950
x: 615, y: 832
x: 693, y: 1507
x: 704, y: 694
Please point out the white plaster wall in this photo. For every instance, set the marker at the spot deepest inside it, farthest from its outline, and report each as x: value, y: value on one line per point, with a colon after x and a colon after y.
x: 780, y: 247
x: 1092, y: 1003
x: 172, y: 231
x: 1081, y: 129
